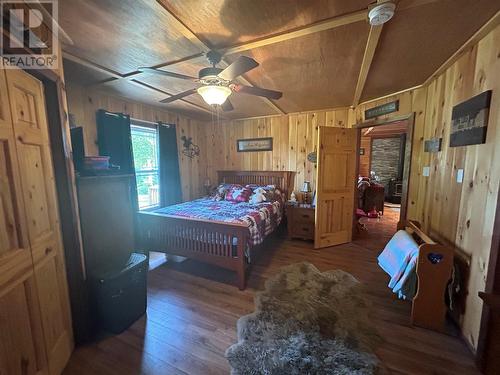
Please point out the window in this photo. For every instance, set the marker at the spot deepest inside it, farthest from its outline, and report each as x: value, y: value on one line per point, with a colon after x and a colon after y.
x: 145, y: 149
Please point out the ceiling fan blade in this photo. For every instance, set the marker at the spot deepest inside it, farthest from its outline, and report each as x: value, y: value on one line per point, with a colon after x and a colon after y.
x: 242, y: 65
x: 165, y: 73
x: 178, y: 96
x: 227, y: 106
x: 270, y: 94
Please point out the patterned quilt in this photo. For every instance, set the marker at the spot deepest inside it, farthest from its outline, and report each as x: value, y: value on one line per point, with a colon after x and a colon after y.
x: 261, y: 218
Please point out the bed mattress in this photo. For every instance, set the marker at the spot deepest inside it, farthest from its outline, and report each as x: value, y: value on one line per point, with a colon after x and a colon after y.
x: 261, y: 218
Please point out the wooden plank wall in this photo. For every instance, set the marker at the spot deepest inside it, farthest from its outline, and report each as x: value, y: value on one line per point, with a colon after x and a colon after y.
x: 461, y: 214
x: 83, y: 104
x: 365, y: 160
x: 294, y: 137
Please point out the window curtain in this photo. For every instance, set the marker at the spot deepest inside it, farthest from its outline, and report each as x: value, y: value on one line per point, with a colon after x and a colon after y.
x: 114, y: 140
x: 170, y: 178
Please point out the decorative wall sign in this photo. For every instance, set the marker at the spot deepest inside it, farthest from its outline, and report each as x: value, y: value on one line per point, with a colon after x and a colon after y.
x: 361, y: 151
x: 312, y: 157
x: 433, y: 145
x: 254, y: 144
x: 383, y: 109
x: 190, y: 149
x: 469, y: 121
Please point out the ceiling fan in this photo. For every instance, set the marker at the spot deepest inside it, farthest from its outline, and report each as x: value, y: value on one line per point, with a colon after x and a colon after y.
x: 216, y: 83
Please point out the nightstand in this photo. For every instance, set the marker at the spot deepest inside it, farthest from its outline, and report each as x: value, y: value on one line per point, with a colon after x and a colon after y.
x: 301, y: 222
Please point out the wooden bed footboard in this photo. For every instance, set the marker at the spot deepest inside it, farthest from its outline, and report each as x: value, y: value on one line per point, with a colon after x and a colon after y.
x: 219, y: 243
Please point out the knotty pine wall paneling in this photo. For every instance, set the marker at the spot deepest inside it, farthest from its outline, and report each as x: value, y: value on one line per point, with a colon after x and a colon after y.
x: 365, y: 160
x: 83, y: 104
x: 294, y: 137
x: 460, y: 214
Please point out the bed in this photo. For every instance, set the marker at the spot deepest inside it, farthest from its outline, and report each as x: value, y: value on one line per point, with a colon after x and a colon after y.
x: 219, y: 233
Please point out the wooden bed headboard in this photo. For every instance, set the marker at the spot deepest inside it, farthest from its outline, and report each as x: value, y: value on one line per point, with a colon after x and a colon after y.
x: 283, y: 180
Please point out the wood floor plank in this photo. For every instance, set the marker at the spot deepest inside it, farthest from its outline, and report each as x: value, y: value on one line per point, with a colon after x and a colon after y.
x: 193, y: 309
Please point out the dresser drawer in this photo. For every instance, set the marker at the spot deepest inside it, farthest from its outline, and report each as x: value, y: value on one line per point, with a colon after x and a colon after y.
x: 303, y: 215
x: 303, y: 230
x: 301, y: 222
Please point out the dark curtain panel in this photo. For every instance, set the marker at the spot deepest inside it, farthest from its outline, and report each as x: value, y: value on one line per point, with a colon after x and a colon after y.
x: 170, y: 178
x: 113, y: 138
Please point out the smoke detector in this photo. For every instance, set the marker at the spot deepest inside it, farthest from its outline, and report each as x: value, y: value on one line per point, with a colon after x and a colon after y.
x: 381, y: 13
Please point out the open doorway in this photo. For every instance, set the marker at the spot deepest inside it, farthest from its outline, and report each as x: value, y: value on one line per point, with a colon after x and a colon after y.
x: 383, y: 174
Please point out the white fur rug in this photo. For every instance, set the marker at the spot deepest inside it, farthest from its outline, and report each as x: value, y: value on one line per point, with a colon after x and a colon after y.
x: 306, y: 322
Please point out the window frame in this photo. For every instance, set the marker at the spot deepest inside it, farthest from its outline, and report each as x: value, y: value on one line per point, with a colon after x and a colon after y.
x: 138, y: 126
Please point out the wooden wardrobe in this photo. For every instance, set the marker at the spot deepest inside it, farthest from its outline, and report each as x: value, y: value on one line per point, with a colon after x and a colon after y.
x: 35, y: 321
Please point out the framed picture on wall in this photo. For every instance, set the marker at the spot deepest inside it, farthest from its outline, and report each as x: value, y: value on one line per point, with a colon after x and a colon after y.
x: 254, y: 144
x: 469, y: 121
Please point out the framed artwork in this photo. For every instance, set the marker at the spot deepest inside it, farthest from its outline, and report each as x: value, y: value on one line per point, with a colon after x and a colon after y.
x: 254, y: 144
x: 469, y: 121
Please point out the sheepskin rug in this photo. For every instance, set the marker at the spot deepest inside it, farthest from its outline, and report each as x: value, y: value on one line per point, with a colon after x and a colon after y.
x: 306, y: 322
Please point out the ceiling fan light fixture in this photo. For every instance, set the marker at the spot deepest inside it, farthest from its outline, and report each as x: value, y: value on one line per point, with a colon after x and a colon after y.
x: 213, y: 94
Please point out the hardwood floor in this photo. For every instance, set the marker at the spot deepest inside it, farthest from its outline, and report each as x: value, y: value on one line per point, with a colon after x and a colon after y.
x: 193, y: 309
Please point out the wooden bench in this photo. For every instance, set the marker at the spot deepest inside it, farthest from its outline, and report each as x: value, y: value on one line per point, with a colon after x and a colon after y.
x: 434, y: 268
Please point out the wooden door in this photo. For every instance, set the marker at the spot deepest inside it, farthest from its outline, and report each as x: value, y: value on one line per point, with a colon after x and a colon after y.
x: 21, y: 337
x: 37, y: 187
x: 335, y: 186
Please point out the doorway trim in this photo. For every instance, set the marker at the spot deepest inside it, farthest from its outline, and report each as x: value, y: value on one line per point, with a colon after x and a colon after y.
x: 64, y: 175
x: 492, y: 287
x: 410, y: 118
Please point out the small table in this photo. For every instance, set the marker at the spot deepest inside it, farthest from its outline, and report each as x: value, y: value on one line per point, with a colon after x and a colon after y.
x: 300, y: 221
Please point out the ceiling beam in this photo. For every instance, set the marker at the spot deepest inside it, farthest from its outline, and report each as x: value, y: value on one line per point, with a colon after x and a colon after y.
x: 205, y: 47
x: 132, y: 75
x: 327, y: 24
x: 371, y: 46
x: 156, y: 90
x: 316, y: 27
x: 182, y: 28
x: 115, y: 76
x: 245, y: 81
x: 91, y: 65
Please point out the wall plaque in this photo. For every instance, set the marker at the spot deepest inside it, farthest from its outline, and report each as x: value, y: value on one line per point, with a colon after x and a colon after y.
x: 433, y: 145
x: 382, y: 109
x: 312, y: 157
x: 254, y: 144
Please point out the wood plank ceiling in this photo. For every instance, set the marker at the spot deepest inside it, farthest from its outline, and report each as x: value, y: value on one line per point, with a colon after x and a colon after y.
x: 319, y: 53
